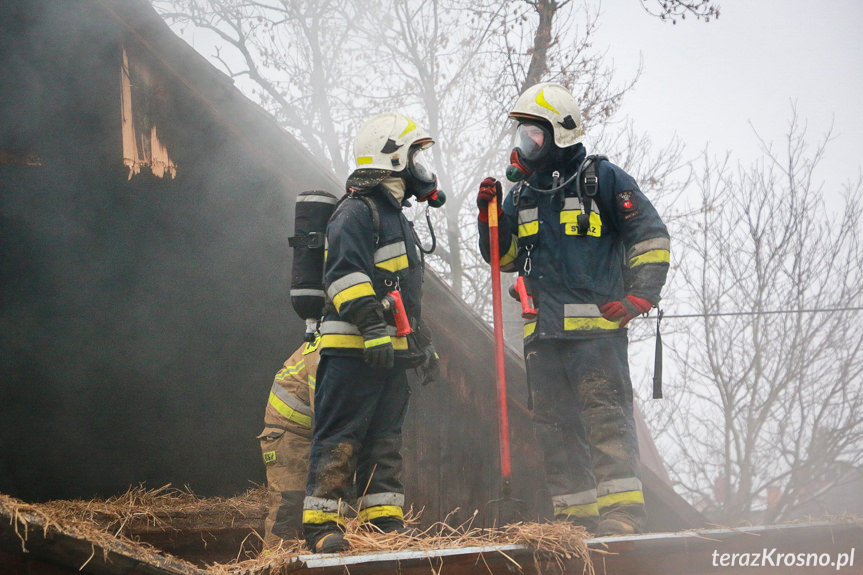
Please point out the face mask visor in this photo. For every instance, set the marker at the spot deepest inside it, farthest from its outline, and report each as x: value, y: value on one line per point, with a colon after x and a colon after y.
x: 421, y: 180
x: 532, y: 141
x: 419, y: 167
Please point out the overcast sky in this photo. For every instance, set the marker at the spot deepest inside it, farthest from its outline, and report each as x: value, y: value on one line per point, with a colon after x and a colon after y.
x: 713, y: 82
x: 707, y: 82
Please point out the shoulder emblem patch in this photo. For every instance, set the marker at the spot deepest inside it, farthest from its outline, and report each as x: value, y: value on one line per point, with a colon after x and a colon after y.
x: 626, y: 201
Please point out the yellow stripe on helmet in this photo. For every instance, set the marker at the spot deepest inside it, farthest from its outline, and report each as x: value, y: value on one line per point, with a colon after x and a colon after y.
x: 540, y: 99
x: 411, y: 126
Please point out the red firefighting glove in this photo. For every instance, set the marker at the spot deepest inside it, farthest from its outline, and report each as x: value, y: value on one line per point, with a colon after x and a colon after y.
x: 625, y: 309
x: 489, y: 188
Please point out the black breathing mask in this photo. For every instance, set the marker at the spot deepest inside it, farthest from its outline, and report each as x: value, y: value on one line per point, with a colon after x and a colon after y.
x: 532, y: 144
x: 421, y: 181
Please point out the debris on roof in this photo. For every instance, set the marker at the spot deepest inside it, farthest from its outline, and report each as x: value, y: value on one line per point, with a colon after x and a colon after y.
x: 121, y: 530
x: 39, y: 538
x: 115, y: 536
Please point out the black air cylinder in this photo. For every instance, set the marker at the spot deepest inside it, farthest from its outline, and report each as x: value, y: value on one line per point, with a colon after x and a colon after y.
x: 312, y: 212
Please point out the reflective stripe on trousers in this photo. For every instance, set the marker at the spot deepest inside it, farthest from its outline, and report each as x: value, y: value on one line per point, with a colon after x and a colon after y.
x: 359, y: 413
x: 582, y: 398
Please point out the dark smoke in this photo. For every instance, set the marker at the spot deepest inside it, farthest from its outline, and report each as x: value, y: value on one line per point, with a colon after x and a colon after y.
x: 142, y: 321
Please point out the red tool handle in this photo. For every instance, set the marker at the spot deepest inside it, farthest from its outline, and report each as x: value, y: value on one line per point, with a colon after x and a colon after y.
x: 527, y: 309
x: 503, y: 416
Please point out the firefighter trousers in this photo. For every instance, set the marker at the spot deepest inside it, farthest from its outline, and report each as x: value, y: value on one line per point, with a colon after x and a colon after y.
x: 355, y: 459
x: 583, y: 421
x: 286, y: 455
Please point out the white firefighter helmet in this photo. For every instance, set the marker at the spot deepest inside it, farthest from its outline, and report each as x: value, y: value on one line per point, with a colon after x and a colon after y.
x: 554, y: 104
x: 383, y: 145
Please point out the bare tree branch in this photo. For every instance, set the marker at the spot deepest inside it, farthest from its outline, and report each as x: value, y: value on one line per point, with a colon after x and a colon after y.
x: 778, y: 395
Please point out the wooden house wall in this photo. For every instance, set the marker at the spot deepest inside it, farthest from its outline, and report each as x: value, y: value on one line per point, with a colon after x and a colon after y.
x: 142, y: 319
x: 452, y: 465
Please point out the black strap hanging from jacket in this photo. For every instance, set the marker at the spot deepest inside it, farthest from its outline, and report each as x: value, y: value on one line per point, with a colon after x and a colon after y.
x: 657, y: 359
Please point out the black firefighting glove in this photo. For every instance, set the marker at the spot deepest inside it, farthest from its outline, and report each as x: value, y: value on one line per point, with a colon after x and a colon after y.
x: 379, y: 353
x: 378, y: 346
x: 429, y: 369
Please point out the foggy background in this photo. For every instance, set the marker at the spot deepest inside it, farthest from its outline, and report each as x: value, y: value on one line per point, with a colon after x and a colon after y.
x: 185, y: 296
x: 718, y: 84
x: 725, y: 124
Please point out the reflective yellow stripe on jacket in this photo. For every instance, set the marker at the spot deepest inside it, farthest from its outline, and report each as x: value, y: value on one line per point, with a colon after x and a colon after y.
x: 578, y: 317
x: 392, y: 257
x: 507, y: 259
x: 528, y: 222
x: 572, y: 208
x: 585, y: 317
x: 288, y: 405
x: 312, y: 347
x: 350, y: 287
x: 652, y: 251
x: 346, y: 335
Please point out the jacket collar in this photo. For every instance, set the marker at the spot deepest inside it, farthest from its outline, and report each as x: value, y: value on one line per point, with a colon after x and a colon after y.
x: 542, y: 178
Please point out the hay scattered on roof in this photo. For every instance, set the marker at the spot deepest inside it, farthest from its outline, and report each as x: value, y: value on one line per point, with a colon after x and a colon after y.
x: 550, y: 542
x: 108, y: 524
x: 26, y: 517
x: 140, y: 506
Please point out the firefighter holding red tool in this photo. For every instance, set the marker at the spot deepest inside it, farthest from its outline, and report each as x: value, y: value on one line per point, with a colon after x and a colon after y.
x: 592, y: 253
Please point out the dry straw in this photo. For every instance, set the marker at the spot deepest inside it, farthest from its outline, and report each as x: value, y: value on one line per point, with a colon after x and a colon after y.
x: 111, y: 523
x: 551, y: 543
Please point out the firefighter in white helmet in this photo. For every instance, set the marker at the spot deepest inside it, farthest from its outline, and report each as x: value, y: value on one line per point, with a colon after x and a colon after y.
x: 361, y: 398
x: 593, y: 253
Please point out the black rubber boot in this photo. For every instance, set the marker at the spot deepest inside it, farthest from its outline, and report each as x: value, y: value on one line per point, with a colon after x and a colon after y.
x: 325, y: 538
x: 288, y: 522
x: 590, y: 524
x: 389, y: 525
